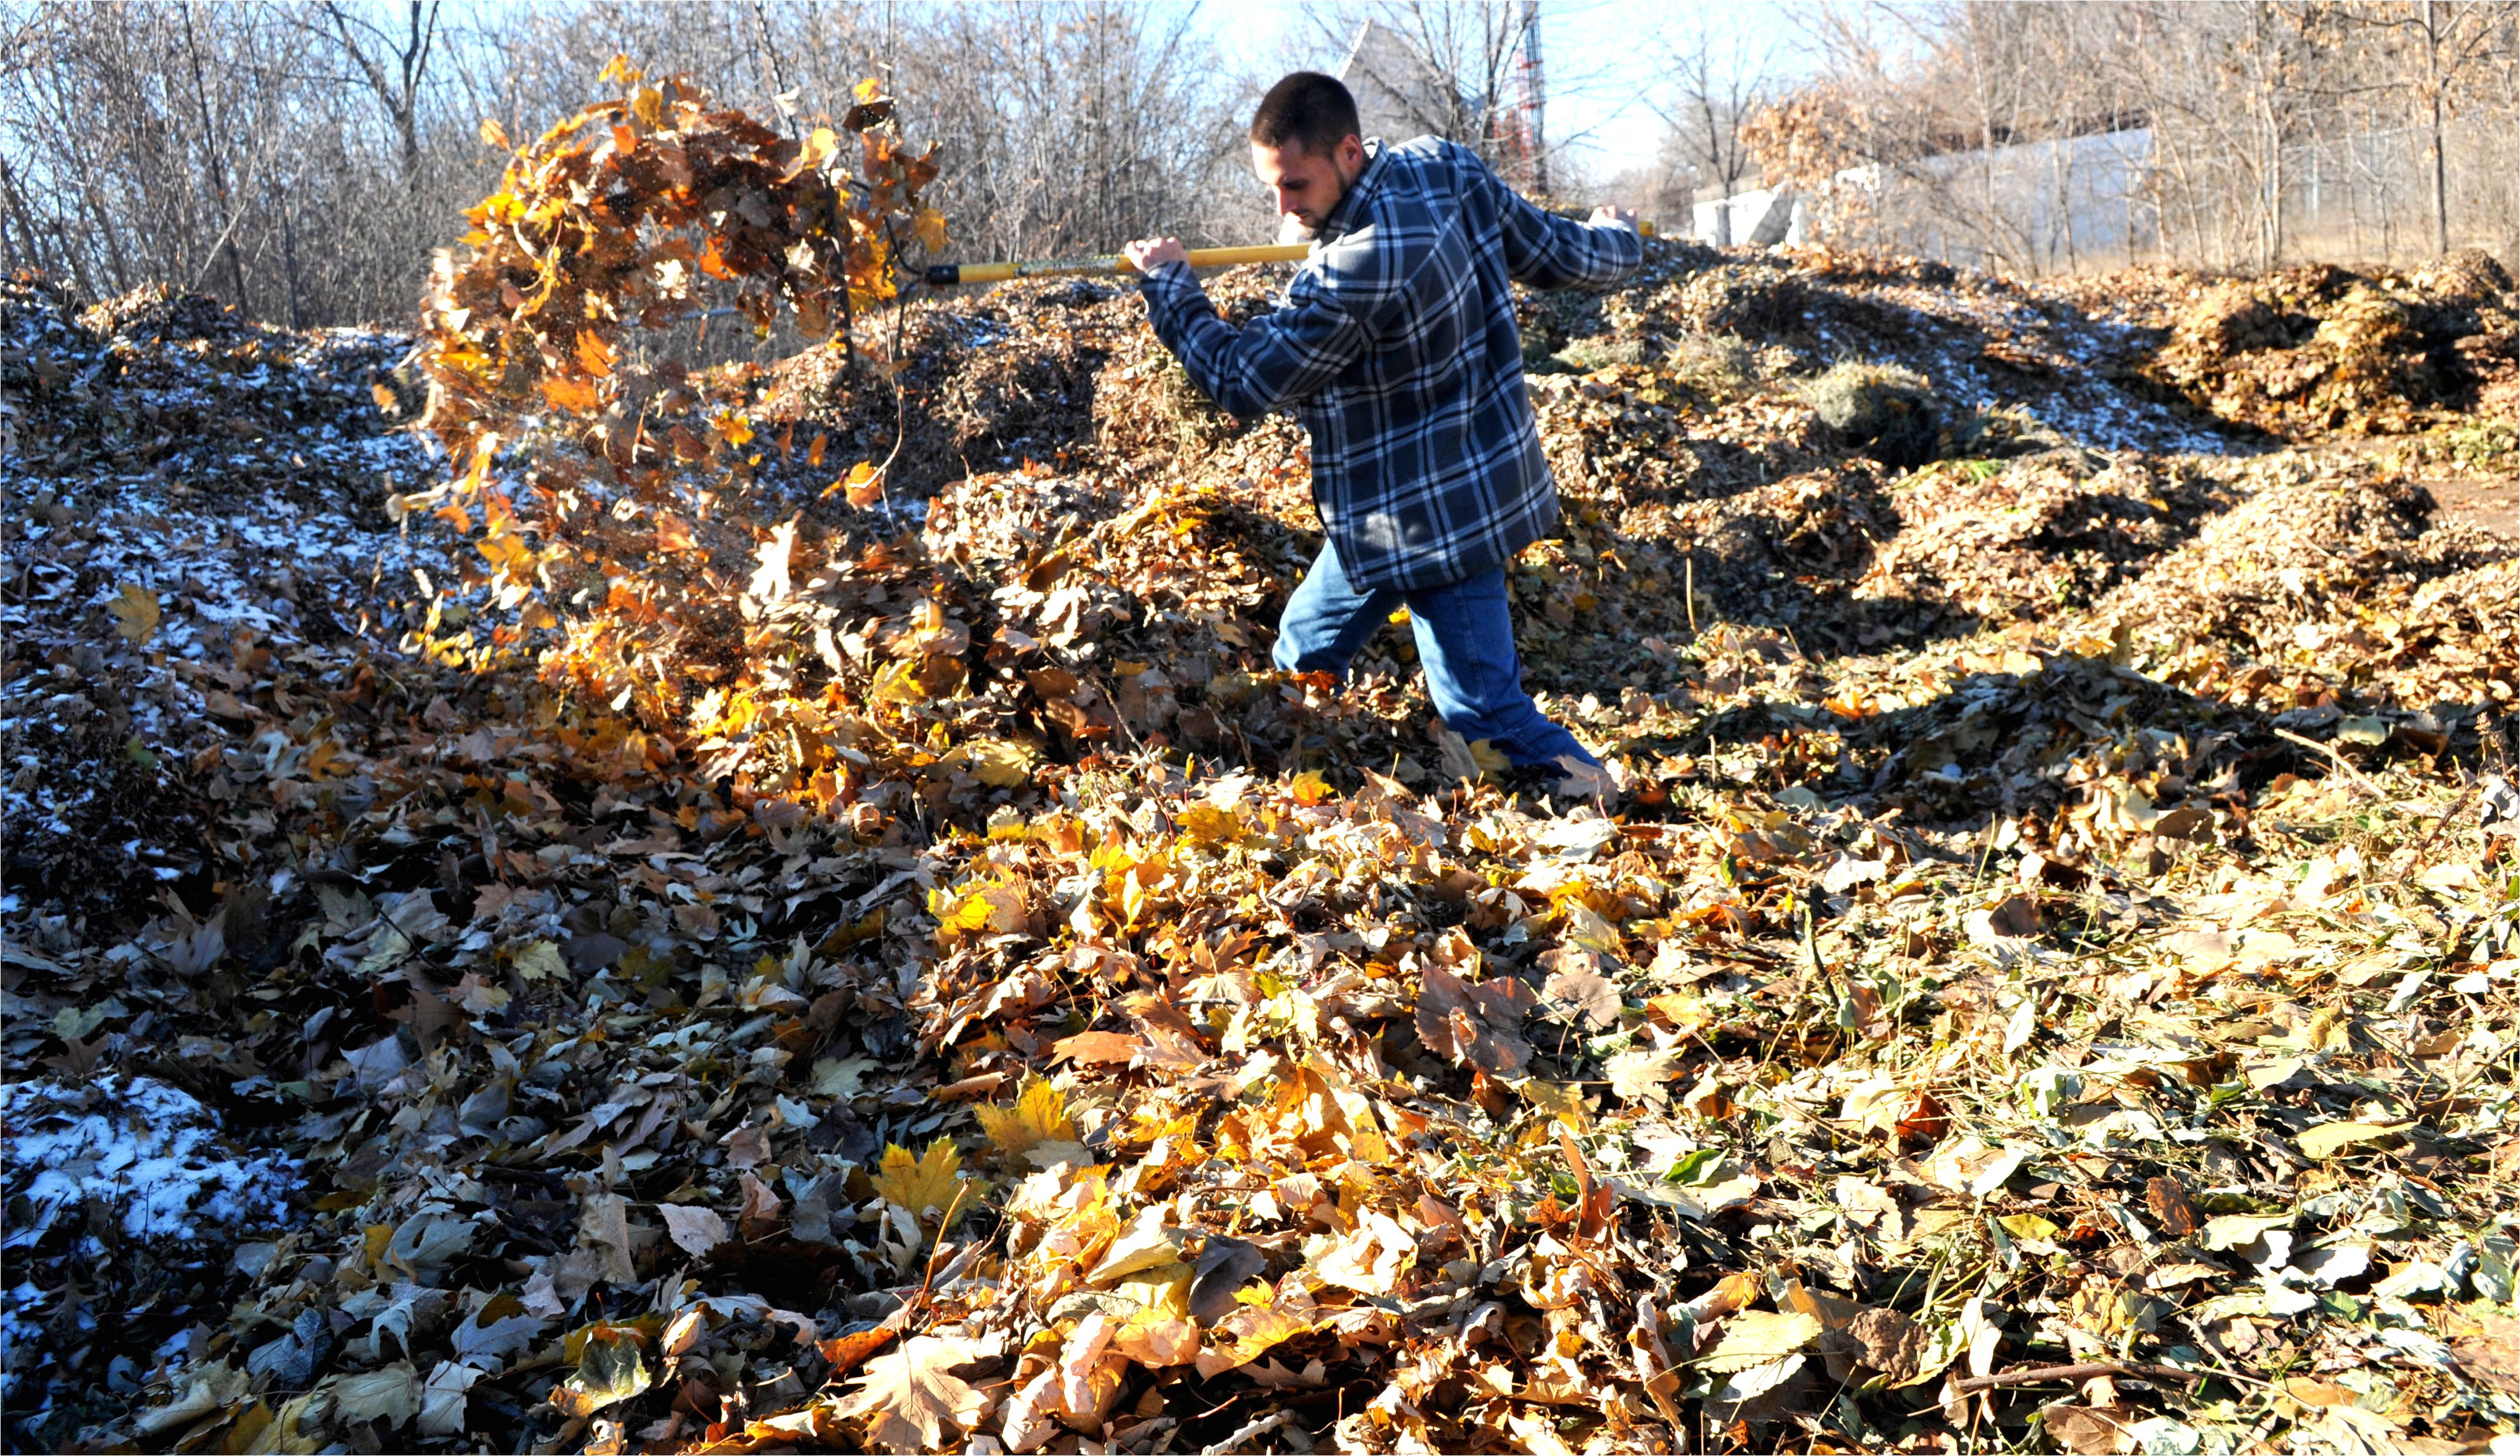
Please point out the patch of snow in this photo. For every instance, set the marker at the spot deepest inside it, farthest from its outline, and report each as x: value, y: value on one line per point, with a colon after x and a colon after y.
x: 151, y: 1151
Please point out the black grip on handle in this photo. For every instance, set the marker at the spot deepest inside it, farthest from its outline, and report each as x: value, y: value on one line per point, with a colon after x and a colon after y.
x: 944, y: 275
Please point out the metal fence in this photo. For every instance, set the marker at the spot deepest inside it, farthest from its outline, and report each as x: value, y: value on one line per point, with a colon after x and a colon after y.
x: 2367, y: 195
x: 2107, y: 200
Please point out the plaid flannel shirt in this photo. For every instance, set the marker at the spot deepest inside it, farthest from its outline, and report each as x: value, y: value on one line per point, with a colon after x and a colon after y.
x: 1397, y: 348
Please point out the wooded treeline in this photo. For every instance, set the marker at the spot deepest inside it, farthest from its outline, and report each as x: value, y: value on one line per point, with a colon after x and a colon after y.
x: 303, y: 157
x: 2241, y: 134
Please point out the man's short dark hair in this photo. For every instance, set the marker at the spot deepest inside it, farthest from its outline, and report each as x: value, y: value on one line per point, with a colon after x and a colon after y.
x: 1309, y: 108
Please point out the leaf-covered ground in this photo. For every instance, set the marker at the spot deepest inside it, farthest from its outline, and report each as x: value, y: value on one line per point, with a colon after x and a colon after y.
x: 2044, y: 977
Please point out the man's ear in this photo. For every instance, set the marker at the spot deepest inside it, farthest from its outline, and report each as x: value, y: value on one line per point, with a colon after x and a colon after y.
x: 1351, y: 154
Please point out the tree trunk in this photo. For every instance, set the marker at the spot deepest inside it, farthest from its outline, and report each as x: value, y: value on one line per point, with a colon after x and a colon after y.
x: 210, y: 149
x: 27, y: 239
x: 289, y: 260
x: 2440, y: 163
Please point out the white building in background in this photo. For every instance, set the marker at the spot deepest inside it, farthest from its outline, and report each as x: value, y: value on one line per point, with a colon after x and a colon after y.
x: 1398, y: 93
x: 1761, y: 218
x: 2052, y: 206
x: 2062, y: 204
x: 1402, y: 93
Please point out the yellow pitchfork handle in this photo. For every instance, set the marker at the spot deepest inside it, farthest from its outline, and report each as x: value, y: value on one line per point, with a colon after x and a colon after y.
x: 949, y: 275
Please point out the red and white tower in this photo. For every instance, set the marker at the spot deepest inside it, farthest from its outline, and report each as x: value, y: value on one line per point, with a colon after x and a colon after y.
x: 1530, y: 151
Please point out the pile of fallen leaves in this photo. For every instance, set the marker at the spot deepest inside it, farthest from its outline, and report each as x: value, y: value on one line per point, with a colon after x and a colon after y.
x: 903, y: 972
x: 2315, y: 349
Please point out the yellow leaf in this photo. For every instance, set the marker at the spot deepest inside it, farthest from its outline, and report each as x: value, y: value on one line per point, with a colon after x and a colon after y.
x: 865, y: 485
x: 1209, y: 824
x: 494, y: 135
x: 928, y: 226
x: 869, y: 89
x: 508, y: 551
x: 970, y: 912
x: 997, y: 908
x: 1247, y: 1334
x: 135, y: 613
x: 898, y: 683
x: 1754, y: 1337
x: 909, y: 1398
x: 1370, y: 1259
x: 1166, y: 1288
x: 999, y: 764
x: 577, y: 396
x: 647, y: 103
x: 610, y: 1369
x: 619, y: 70
x: 2028, y: 1226
x: 2332, y: 1139
x: 1156, y: 1338
x: 930, y: 1180
x: 541, y: 961
x: 1562, y: 1100
x: 1147, y: 1243
x: 1039, y: 1116
x: 1311, y: 788
x: 1638, y: 1075
x: 247, y: 1433
x: 1537, y: 1435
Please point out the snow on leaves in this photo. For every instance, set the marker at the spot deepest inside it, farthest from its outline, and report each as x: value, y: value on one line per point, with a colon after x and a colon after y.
x: 958, y: 993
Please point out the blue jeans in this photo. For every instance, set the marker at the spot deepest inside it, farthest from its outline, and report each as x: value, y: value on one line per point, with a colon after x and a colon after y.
x: 1464, y: 642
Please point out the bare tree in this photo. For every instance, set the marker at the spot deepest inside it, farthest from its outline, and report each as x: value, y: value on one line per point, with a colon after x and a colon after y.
x: 2436, y: 52
x: 1718, y: 77
x: 239, y: 147
x: 371, y: 48
x: 1452, y: 68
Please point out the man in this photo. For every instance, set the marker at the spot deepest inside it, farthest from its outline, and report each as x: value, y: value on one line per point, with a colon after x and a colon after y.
x: 1397, y: 348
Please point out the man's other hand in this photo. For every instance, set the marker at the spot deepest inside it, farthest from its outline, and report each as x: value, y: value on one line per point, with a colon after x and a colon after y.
x: 1147, y: 254
x: 1606, y: 213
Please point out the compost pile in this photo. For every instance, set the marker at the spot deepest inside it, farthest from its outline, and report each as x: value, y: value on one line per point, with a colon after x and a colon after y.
x: 878, y: 959
x: 2314, y: 350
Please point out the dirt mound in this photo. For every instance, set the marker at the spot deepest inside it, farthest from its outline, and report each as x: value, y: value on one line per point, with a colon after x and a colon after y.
x: 177, y: 385
x: 2301, y: 580
x: 2026, y: 537
x: 182, y: 483
x: 161, y: 315
x: 2317, y: 350
x: 965, y: 966
x: 1882, y: 410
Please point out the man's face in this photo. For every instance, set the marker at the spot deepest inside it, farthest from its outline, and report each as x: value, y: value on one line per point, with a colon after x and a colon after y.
x: 1308, y: 184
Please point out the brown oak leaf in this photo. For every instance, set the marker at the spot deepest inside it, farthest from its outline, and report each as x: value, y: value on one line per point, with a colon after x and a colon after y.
x: 1478, y: 1023
x: 909, y: 1398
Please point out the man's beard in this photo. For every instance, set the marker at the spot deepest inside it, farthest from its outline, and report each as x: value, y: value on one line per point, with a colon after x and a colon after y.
x: 1292, y: 229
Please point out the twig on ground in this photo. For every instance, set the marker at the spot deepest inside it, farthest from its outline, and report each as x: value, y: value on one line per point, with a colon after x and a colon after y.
x: 2040, y: 1375
x: 2474, y: 782
x: 1251, y: 1432
x: 2338, y: 759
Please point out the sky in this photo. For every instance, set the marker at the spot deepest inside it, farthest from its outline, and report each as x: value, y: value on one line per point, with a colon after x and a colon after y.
x: 1603, y: 59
